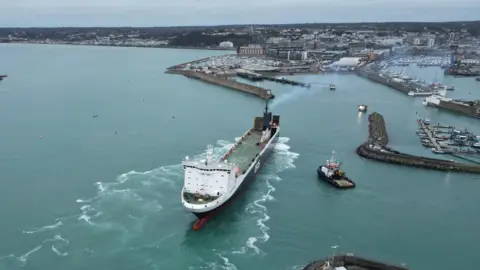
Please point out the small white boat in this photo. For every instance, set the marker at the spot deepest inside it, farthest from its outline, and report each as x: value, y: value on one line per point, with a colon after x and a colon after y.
x: 362, y: 108
x: 332, y: 87
x: 419, y: 93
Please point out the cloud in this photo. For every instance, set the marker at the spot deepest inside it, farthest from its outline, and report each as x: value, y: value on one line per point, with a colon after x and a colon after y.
x: 209, y: 12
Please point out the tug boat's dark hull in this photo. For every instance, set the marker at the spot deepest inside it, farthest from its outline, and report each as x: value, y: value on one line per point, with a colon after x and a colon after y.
x: 334, y: 183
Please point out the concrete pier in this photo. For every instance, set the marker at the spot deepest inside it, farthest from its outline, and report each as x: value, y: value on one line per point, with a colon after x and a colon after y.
x: 222, y: 81
x: 376, y: 149
x: 468, y: 108
x: 285, y: 81
x: 430, y: 136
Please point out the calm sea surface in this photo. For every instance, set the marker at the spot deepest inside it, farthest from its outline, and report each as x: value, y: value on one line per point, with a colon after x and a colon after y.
x: 79, y: 192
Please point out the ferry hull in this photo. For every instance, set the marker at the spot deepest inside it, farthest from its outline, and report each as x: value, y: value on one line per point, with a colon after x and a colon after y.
x: 249, y: 178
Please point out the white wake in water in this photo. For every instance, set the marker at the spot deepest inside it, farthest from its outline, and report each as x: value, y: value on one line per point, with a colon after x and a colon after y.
x: 118, y: 217
x: 282, y: 159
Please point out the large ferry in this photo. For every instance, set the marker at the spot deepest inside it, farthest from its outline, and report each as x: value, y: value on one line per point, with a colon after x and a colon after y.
x: 437, y: 97
x: 209, y: 184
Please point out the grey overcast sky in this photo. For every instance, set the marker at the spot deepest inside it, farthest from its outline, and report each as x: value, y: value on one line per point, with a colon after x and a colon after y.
x: 51, y: 13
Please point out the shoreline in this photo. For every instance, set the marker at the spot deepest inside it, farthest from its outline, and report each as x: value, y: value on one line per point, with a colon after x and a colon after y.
x: 126, y: 46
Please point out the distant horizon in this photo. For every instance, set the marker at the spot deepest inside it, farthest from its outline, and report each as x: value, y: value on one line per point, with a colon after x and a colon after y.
x: 242, y: 24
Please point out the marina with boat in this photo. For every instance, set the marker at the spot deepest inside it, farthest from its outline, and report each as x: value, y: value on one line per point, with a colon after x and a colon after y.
x: 443, y: 139
x: 376, y: 149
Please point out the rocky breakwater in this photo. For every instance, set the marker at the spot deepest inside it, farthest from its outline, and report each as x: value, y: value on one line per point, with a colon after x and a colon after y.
x: 223, y: 81
x: 376, y: 149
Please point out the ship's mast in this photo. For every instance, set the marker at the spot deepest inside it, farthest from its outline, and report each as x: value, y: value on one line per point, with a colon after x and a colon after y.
x: 332, y: 158
x: 266, y: 105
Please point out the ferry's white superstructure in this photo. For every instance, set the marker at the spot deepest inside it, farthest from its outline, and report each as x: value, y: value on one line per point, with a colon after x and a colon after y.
x: 436, y: 98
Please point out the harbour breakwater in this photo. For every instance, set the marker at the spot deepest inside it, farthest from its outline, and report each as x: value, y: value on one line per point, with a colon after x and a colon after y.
x: 222, y: 81
x: 468, y: 108
x: 373, y: 76
x: 376, y: 149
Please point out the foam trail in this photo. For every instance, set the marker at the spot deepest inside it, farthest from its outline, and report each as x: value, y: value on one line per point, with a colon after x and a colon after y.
x: 282, y: 159
x: 58, y: 252
x: 228, y: 264
x: 56, y: 238
x: 7, y: 256
x: 44, y: 228
x: 24, y: 257
x: 59, y: 238
x: 136, y: 197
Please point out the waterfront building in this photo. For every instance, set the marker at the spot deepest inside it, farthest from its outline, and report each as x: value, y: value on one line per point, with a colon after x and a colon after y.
x: 252, y: 49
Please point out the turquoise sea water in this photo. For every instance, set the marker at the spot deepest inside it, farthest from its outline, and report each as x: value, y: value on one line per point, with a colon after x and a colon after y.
x: 79, y: 192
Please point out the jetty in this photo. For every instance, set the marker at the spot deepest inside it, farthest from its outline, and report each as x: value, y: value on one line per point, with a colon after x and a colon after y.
x: 376, y: 149
x: 425, y: 128
x: 254, y: 76
x: 443, y: 139
x: 350, y: 262
x: 285, y: 81
x: 223, y: 81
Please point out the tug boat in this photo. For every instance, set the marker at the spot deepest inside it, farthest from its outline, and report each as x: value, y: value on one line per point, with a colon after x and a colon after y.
x: 331, y: 173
